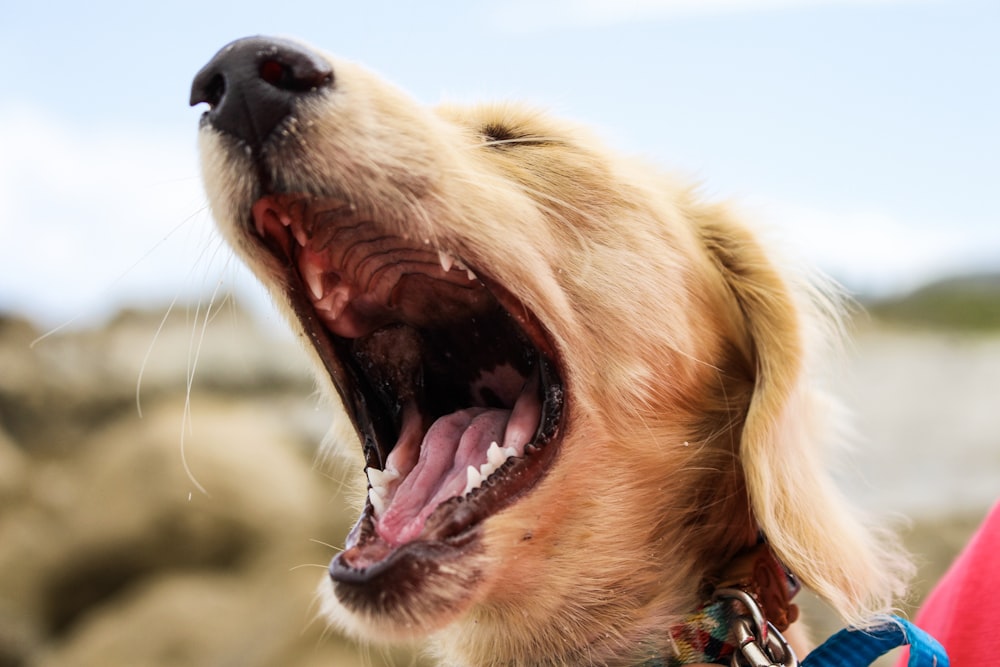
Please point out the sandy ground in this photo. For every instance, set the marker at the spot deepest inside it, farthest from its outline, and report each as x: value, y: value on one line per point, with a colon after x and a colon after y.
x: 927, y: 413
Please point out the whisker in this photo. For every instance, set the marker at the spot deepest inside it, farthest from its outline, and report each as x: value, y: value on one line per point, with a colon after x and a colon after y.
x: 305, y: 565
x: 327, y: 545
x: 149, y: 352
x: 194, y: 353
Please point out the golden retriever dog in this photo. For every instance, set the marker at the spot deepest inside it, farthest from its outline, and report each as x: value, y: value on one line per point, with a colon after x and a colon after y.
x: 583, y: 396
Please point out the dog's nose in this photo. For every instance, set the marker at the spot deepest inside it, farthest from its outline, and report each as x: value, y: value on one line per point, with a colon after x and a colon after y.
x: 251, y: 85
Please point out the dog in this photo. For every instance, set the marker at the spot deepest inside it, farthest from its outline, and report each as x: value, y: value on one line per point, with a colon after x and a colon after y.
x: 584, y: 396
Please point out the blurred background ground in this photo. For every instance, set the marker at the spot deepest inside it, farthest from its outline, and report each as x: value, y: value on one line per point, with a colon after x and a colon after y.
x: 161, y: 503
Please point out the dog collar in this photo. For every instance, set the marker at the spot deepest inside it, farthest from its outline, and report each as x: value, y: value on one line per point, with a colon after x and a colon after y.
x: 750, y: 607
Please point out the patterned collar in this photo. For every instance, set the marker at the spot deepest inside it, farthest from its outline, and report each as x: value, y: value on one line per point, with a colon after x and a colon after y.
x: 703, y: 637
x: 706, y: 636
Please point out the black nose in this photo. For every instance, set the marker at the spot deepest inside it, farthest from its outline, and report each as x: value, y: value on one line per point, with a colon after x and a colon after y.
x: 251, y: 85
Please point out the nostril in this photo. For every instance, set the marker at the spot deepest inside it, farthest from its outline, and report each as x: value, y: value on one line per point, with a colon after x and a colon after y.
x: 293, y: 74
x: 275, y: 73
x: 214, y: 91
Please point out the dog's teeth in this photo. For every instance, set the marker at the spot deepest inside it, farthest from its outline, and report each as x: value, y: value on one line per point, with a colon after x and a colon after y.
x: 495, y: 456
x: 314, y: 280
x: 382, y: 478
x: 380, y: 492
x: 460, y: 265
x: 377, y: 501
x: 332, y: 305
x: 300, y: 236
x: 447, y: 261
x: 472, y: 479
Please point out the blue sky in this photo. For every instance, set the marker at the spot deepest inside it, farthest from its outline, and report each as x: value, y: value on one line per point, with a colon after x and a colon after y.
x: 865, y: 132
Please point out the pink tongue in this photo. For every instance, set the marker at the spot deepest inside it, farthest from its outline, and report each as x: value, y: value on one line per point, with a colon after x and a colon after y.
x: 452, y: 444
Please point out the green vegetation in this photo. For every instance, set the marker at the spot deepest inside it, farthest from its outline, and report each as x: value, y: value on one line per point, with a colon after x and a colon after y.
x: 968, y: 303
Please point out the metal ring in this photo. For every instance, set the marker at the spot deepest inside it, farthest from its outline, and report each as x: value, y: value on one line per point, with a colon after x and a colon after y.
x: 756, y: 615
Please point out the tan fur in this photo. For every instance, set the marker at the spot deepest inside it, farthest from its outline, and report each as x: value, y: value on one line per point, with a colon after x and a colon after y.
x: 687, y: 352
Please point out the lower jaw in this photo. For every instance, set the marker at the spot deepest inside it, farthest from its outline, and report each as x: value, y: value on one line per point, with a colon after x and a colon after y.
x: 454, y: 530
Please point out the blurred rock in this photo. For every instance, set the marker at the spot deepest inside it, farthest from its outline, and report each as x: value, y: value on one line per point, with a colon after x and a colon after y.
x: 191, y: 534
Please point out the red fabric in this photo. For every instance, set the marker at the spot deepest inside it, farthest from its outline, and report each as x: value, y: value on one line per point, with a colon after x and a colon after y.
x: 963, y: 610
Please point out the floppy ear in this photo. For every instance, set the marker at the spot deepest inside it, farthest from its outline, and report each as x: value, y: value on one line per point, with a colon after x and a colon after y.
x: 857, y: 569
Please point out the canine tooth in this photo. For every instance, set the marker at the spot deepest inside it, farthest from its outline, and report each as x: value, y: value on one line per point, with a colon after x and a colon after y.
x: 300, y: 236
x: 314, y: 280
x: 447, y: 261
x: 472, y: 276
x: 510, y: 452
x: 472, y: 479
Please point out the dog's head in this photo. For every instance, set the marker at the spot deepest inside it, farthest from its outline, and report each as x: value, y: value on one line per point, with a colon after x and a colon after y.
x: 578, y: 391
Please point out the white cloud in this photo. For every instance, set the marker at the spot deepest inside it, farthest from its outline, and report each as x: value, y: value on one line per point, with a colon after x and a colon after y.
x: 875, y: 251
x: 90, y: 221
x: 526, y: 15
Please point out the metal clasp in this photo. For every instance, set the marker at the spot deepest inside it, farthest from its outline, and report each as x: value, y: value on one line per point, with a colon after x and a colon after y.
x: 758, y: 643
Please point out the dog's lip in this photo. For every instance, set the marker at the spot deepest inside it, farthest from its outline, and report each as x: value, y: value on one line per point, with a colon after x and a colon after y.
x: 455, y: 522
x: 407, y: 555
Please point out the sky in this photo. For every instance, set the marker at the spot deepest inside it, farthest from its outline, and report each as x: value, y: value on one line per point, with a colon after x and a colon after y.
x: 865, y: 134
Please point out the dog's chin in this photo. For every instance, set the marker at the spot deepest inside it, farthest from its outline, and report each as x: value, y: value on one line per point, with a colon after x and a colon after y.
x: 404, y: 591
x: 413, y: 607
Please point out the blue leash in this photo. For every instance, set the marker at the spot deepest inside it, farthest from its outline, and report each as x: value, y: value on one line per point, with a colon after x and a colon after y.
x: 859, y: 648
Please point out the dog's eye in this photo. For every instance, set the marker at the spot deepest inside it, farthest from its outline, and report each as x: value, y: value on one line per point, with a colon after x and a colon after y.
x: 497, y: 133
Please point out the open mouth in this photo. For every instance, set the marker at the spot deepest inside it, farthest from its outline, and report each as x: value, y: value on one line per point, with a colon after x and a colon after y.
x: 451, y: 383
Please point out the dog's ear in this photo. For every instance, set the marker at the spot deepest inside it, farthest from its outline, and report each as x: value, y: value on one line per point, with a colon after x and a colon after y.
x: 855, y: 568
